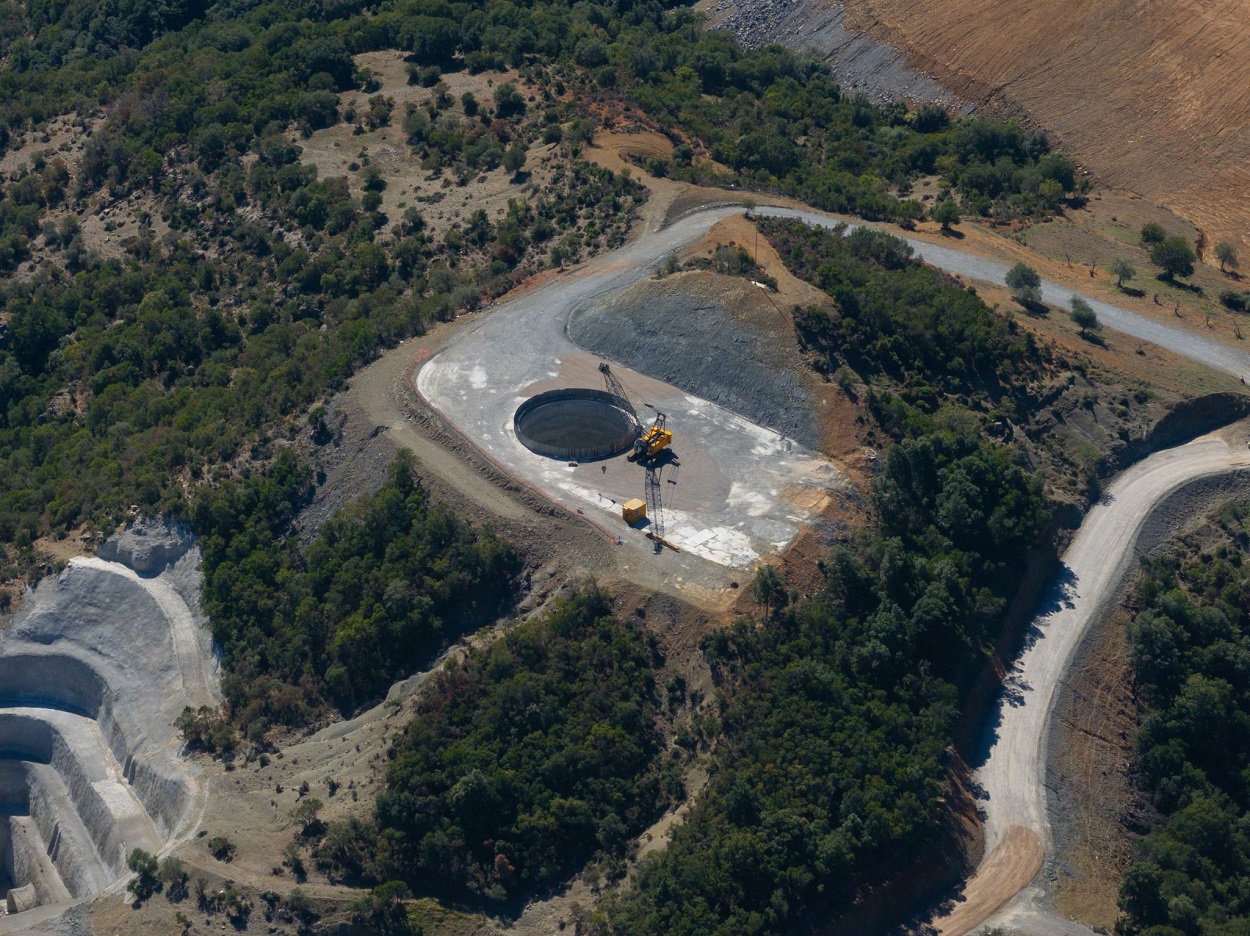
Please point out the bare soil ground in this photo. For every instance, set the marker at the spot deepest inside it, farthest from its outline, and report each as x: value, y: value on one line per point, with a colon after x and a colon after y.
x: 1150, y: 97
x: 1091, y: 748
x: 105, y: 223
x: 860, y: 63
x: 1014, y: 863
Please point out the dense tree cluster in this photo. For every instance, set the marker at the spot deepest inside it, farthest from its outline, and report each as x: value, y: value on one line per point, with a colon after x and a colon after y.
x: 530, y: 758
x: 900, y: 321
x: 388, y: 581
x: 123, y: 379
x: 523, y: 762
x: 1189, y: 645
x: 828, y: 774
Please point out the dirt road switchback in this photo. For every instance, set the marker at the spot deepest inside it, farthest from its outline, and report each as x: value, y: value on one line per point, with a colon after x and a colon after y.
x: 1012, y: 775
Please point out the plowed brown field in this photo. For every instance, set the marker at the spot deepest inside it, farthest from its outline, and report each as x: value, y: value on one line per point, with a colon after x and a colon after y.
x: 1148, y: 94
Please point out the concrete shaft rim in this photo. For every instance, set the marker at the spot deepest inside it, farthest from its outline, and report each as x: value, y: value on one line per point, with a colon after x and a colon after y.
x: 575, y: 424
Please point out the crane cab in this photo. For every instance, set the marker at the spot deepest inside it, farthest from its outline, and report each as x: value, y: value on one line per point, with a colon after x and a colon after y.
x: 653, y: 441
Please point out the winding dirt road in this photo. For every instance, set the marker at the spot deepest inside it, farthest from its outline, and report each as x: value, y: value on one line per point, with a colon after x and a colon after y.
x: 1100, y: 557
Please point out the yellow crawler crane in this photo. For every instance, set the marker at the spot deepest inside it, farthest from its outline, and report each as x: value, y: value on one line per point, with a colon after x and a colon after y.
x: 653, y: 441
x: 655, y: 438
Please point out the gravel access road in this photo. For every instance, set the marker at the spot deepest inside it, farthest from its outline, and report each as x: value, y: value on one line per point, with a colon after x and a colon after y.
x: 1177, y: 340
x: 746, y: 489
x: 1103, y: 553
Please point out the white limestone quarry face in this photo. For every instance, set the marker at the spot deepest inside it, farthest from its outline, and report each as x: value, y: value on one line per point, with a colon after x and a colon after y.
x: 94, y: 670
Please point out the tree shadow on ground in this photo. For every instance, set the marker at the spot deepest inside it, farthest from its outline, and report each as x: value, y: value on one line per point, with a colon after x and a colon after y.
x: 1188, y: 287
x: 1059, y: 597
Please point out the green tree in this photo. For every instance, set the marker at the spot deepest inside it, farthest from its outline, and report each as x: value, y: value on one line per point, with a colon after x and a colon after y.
x: 307, y: 814
x: 946, y: 213
x: 1084, y: 316
x: 174, y: 874
x: 508, y: 101
x: 1058, y: 169
x: 383, y: 910
x: 908, y: 213
x: 514, y: 159
x: 1174, y: 256
x: 930, y: 119
x: 1122, y: 270
x: 1024, y: 283
x: 1050, y: 192
x: 1226, y: 253
x: 769, y: 590
x: 1152, y: 233
x: 144, y: 866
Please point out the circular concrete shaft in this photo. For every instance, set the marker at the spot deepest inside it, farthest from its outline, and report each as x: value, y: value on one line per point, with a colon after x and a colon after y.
x: 577, y: 423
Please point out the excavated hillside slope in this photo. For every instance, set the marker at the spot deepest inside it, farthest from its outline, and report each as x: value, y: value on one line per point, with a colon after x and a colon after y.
x: 1148, y: 94
x: 94, y: 670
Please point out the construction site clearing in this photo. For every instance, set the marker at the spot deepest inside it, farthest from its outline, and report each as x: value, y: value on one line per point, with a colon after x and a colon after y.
x: 721, y: 491
x: 731, y: 491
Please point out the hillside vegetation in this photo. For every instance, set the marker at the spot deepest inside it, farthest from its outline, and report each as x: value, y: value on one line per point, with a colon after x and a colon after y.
x: 251, y: 286
x: 494, y: 794
x: 186, y: 372
x: 930, y: 356
x: 1189, y: 646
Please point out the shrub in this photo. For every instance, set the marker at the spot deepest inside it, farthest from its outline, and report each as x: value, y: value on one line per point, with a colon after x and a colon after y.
x: 1226, y: 254
x: 1024, y: 283
x: 946, y: 213
x: 144, y: 866
x: 1122, y: 270
x: 222, y: 848
x: 1231, y: 299
x: 1084, y: 316
x: 174, y: 875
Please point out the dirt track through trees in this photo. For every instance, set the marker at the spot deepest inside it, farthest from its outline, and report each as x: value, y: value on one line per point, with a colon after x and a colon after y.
x: 1013, y: 773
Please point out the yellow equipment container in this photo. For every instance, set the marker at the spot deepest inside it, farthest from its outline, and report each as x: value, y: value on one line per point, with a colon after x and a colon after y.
x: 634, y: 511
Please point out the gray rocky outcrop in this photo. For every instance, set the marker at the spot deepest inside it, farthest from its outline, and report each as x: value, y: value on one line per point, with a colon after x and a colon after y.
x: 148, y: 546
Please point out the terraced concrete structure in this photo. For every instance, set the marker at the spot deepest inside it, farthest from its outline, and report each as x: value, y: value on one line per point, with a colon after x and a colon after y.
x: 94, y: 670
